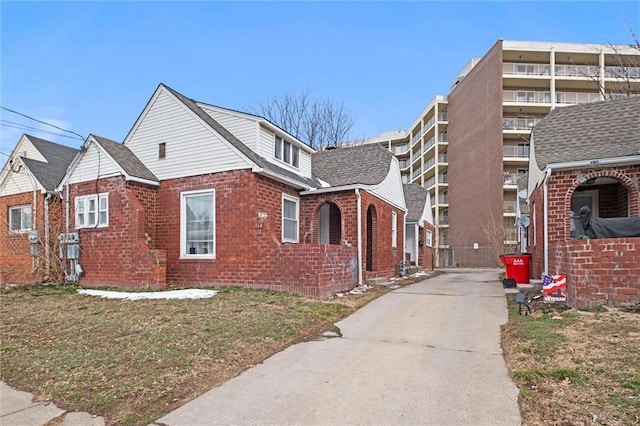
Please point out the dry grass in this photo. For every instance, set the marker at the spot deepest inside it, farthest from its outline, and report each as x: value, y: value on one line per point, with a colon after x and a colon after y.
x: 133, y: 361
x: 575, y: 369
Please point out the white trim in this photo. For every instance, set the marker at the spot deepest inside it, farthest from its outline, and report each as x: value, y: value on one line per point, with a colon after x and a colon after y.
x: 280, y: 178
x: 20, y: 207
x: 183, y: 223
x: 286, y: 197
x: 595, y: 162
x: 86, y: 198
x: 394, y: 230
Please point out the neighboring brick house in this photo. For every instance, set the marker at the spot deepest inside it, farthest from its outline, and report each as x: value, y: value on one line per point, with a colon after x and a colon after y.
x: 200, y: 195
x: 419, y: 226
x: 30, y: 208
x: 586, y: 155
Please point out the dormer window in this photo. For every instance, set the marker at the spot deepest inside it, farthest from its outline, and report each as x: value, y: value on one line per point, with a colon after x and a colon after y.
x: 285, y: 151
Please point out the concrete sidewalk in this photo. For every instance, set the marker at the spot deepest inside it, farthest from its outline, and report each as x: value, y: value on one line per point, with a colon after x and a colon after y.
x: 425, y: 354
x: 18, y: 408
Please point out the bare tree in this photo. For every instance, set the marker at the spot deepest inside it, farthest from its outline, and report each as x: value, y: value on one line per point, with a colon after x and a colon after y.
x: 318, y: 122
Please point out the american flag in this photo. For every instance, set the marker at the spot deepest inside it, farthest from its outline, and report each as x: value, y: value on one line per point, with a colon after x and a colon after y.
x: 553, y: 283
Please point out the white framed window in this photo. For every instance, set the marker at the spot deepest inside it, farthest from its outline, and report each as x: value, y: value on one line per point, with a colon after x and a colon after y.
x: 197, y: 224
x: 429, y: 238
x: 394, y: 229
x: 290, y: 218
x: 286, y: 152
x: 92, y: 211
x: 20, y: 218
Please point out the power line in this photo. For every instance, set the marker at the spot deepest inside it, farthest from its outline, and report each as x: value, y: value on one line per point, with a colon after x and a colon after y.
x: 43, y: 122
x: 13, y: 125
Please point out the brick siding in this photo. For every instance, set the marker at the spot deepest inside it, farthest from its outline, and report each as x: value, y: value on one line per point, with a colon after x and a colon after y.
x: 598, y: 271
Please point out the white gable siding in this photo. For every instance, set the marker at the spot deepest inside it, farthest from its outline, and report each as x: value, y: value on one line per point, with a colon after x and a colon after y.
x: 243, y: 128
x: 94, y: 162
x: 390, y: 189
x: 192, y: 147
x: 266, y: 150
x: 26, y: 149
x: 17, y: 183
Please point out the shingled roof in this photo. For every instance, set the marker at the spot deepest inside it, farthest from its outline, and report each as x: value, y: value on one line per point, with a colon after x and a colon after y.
x: 415, y: 197
x: 238, y: 144
x: 596, y: 130
x: 58, y: 157
x: 126, y: 159
x: 364, y: 165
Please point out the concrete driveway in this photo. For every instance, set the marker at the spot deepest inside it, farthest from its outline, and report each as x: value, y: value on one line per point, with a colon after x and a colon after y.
x: 423, y: 354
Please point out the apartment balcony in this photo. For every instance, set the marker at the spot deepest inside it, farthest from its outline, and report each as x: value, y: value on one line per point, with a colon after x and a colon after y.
x: 519, y: 123
x: 443, y: 221
x: 415, y: 173
x: 632, y: 73
x: 526, y: 69
x: 585, y: 71
x: 400, y: 149
x: 428, y: 144
x: 443, y: 199
x: 545, y: 97
x: 443, y: 116
x: 519, y: 152
x: 509, y: 207
x: 443, y: 158
x: 429, y: 163
x: 443, y: 178
x: 429, y: 182
x: 443, y: 137
x: 430, y: 123
x: 404, y: 163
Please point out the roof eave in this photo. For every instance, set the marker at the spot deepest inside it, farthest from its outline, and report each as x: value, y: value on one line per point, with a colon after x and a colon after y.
x: 279, y: 178
x: 630, y: 159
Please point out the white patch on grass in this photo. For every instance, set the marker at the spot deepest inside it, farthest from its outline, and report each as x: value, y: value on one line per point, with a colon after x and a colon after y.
x: 171, y: 294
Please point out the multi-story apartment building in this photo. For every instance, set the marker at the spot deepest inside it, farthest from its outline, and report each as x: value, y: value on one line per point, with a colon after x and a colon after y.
x: 469, y: 148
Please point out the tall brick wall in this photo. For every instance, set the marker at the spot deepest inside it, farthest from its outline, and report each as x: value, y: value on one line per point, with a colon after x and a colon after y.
x: 598, y: 270
x: 119, y: 255
x: 475, y: 155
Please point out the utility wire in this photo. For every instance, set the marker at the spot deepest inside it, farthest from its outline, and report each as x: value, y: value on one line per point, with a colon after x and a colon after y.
x: 43, y: 122
x: 33, y: 129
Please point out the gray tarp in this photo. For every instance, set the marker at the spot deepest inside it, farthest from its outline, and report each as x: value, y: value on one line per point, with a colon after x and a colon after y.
x: 615, y: 227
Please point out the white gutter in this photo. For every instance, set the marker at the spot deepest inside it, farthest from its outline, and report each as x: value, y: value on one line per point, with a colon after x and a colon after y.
x: 336, y: 189
x: 47, y: 248
x: 359, y: 236
x: 594, y: 162
x: 547, y: 174
x: 279, y: 178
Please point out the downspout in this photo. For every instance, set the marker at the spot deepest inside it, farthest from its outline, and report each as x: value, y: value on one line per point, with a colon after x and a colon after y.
x: 416, y: 243
x: 46, y: 232
x: 545, y: 212
x: 359, y: 236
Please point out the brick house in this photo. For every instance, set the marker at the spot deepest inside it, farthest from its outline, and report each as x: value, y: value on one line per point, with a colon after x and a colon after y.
x: 419, y: 228
x: 586, y: 155
x: 202, y: 195
x: 31, y: 209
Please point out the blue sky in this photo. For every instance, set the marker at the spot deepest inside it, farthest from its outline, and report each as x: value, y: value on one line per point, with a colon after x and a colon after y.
x: 91, y: 67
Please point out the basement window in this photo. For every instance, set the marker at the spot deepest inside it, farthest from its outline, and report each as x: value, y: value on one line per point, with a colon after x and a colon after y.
x: 20, y: 218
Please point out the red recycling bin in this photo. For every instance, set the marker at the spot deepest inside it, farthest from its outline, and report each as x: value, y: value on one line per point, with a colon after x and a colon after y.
x: 518, y: 266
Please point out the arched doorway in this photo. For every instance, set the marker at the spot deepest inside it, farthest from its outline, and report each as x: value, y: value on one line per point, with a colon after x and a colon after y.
x: 372, y: 221
x: 329, y: 224
x: 603, y: 196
